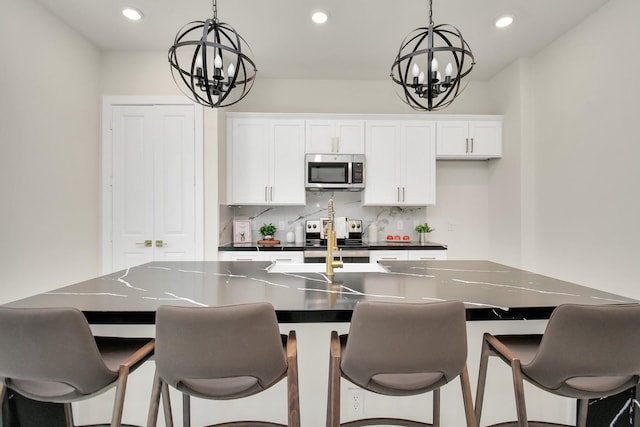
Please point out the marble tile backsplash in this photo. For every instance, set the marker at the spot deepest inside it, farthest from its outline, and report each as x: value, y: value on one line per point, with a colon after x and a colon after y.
x: 389, y: 219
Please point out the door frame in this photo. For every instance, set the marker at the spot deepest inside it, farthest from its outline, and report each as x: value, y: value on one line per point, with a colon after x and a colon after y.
x: 106, y: 188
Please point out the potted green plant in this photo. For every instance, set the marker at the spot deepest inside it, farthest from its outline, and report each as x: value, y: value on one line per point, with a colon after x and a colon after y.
x: 424, y: 230
x: 268, y: 231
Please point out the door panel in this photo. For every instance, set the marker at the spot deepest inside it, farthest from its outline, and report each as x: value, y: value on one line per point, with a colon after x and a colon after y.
x: 153, y: 191
x: 174, y: 222
x: 132, y: 176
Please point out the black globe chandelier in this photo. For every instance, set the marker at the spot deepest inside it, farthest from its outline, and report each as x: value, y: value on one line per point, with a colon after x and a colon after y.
x: 201, y: 54
x: 416, y: 67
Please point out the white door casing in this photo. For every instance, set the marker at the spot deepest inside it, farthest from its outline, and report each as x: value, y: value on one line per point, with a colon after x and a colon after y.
x: 152, y: 181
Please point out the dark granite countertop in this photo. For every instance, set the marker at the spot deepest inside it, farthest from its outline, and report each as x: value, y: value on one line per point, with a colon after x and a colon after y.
x: 376, y: 246
x: 490, y: 291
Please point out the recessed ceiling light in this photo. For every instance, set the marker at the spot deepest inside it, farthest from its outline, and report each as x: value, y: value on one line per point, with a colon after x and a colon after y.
x: 132, y: 13
x: 319, y: 16
x: 504, y: 21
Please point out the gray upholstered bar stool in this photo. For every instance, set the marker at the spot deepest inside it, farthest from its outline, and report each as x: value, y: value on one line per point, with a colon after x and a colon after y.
x: 586, y: 352
x: 400, y: 349
x: 50, y: 355
x: 222, y: 353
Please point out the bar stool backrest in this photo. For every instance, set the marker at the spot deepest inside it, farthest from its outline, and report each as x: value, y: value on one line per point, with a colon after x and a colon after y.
x: 50, y: 354
x: 405, y: 339
x: 588, y: 341
x: 196, y: 343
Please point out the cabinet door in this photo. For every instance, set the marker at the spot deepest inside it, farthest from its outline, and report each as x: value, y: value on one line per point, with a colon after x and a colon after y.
x: 334, y: 136
x: 452, y: 138
x: 290, y: 257
x: 418, y: 166
x: 383, y: 154
x: 473, y: 140
x: 376, y: 256
x: 486, y: 139
x: 349, y: 136
x: 239, y: 256
x: 426, y: 255
x: 287, y: 162
x: 249, y: 162
x: 320, y: 136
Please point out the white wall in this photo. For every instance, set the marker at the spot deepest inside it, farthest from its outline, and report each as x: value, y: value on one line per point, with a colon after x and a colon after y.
x: 49, y: 133
x: 586, y: 90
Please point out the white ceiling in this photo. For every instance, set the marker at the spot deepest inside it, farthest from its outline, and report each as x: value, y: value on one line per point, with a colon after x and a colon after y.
x: 359, y: 41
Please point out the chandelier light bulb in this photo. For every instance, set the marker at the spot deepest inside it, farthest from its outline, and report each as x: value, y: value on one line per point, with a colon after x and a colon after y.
x: 448, y: 70
x: 421, y: 77
x: 415, y: 70
x: 217, y: 62
x: 199, y: 61
x: 434, y: 65
x: 231, y: 70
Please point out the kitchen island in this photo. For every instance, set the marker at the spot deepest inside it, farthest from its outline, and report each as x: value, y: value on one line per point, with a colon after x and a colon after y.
x: 490, y: 291
x: 498, y: 299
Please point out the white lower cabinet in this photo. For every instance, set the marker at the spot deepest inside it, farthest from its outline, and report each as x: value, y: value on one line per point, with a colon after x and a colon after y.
x: 279, y: 256
x: 408, y: 255
x: 426, y: 255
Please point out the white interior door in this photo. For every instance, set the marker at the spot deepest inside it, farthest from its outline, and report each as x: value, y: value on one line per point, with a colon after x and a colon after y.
x: 174, y: 184
x: 153, y: 212
x: 132, y: 186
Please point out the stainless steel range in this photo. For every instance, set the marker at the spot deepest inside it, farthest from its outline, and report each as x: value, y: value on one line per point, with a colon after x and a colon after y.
x: 349, y: 233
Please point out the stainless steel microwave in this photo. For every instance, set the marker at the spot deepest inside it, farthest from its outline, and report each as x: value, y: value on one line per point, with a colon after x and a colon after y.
x: 334, y: 172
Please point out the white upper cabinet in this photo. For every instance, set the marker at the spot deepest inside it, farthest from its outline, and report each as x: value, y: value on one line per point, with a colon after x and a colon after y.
x: 265, y: 161
x: 473, y: 139
x: 335, y: 136
x: 400, y: 163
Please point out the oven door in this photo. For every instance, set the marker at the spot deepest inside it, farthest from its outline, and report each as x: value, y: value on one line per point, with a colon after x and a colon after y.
x: 348, y: 256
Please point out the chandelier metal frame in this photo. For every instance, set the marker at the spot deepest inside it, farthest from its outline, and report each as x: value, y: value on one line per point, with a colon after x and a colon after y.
x: 198, y: 57
x: 429, y: 91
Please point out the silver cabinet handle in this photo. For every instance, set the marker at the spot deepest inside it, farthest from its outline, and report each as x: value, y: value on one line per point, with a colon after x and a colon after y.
x: 266, y: 194
x: 403, y: 188
x: 398, y: 195
x: 271, y: 194
x: 146, y: 243
x: 467, y: 149
x: 472, y: 145
x: 337, y: 144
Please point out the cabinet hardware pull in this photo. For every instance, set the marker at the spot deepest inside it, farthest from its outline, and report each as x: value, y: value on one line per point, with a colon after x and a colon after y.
x: 427, y: 257
x: 333, y: 144
x: 467, y: 148
x: 271, y: 194
x: 403, y: 188
x: 472, y: 145
x: 146, y: 243
x: 398, y: 195
x: 160, y: 244
x: 266, y: 194
x: 337, y: 144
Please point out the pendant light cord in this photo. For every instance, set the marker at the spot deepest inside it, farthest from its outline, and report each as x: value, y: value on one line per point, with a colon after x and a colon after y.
x: 430, y: 12
x: 215, y: 11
